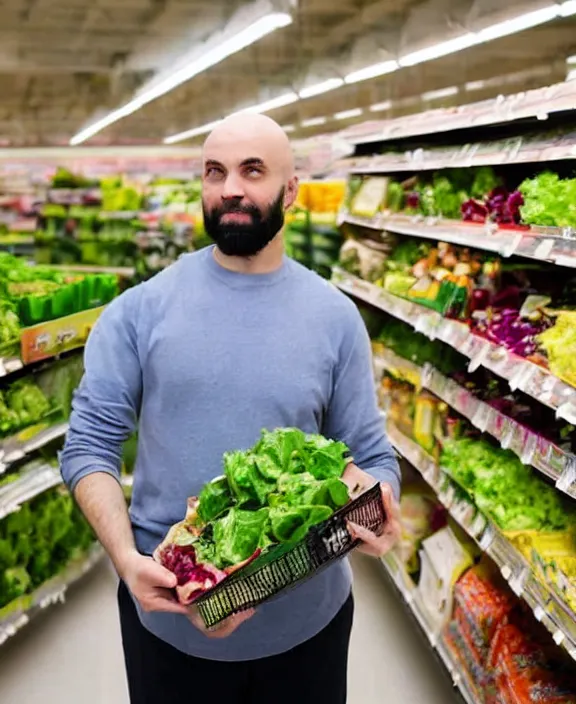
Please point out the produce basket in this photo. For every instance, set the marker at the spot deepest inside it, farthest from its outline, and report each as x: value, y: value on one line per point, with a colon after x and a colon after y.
x: 286, y: 566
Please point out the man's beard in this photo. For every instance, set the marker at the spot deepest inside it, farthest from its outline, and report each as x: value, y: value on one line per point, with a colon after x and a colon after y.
x: 244, y: 240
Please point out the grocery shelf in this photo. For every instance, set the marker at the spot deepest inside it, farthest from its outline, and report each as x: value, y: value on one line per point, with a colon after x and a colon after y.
x: 128, y: 271
x: 24, y: 443
x: 524, y: 106
x: 536, y: 381
x: 546, y: 605
x: 545, y: 244
x: 33, y: 481
x: 516, y: 150
x: 531, y: 448
x: 19, y: 613
x: 407, y: 591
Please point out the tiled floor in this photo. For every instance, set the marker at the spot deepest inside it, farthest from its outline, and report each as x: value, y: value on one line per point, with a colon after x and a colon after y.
x: 72, y: 654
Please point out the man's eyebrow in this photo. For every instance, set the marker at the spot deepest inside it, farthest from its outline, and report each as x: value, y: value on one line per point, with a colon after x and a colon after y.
x: 253, y: 161
x: 212, y: 162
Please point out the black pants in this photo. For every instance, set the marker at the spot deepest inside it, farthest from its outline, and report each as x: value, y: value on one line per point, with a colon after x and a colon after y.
x: 312, y: 673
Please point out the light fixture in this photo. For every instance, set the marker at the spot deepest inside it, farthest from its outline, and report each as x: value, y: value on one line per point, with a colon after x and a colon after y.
x: 205, y: 58
x: 347, y: 114
x: 465, y: 41
x: 379, y: 107
x: 373, y: 71
x: 314, y: 121
x: 567, y: 9
x: 440, y: 93
x: 195, y: 132
x: 475, y: 85
x: 319, y: 88
x: 279, y: 102
x: 518, y: 24
x: 289, y: 128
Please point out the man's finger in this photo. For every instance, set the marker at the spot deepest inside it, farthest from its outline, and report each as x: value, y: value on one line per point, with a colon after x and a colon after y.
x: 390, y: 504
x: 363, y: 534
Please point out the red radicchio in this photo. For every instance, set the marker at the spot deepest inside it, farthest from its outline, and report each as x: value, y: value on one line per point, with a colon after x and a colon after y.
x: 473, y: 211
x: 193, y: 579
x: 413, y: 200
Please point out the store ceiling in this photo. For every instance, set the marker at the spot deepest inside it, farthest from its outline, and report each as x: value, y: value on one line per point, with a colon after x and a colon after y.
x: 63, y: 63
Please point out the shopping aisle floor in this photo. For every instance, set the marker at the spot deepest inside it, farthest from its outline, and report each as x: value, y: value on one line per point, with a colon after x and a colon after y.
x: 72, y: 654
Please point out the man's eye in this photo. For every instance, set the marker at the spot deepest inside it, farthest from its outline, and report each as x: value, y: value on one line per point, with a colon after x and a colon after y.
x: 254, y: 171
x: 213, y: 172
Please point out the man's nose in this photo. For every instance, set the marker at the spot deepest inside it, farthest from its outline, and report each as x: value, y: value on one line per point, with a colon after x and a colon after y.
x: 233, y: 188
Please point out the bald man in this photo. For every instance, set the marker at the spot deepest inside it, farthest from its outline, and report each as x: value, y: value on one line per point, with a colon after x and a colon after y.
x: 225, y: 342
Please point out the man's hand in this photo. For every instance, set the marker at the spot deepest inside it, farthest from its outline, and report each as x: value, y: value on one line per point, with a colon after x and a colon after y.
x: 151, y: 584
x: 222, y: 630
x: 374, y: 545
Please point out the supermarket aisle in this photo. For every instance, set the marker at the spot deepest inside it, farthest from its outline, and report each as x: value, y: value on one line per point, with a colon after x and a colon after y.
x: 72, y: 654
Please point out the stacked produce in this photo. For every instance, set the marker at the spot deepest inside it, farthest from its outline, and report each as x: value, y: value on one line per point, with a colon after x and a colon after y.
x: 35, y: 294
x: 525, y: 308
x: 514, y: 496
x: 38, y: 541
x: 22, y: 405
x: 475, y: 195
x: 312, y: 236
x: 269, y: 495
x: 501, y: 652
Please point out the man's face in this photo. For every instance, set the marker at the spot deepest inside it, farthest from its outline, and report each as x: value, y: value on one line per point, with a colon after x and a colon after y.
x: 243, y: 197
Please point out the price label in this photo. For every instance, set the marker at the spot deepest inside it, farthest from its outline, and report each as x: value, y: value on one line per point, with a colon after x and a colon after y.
x: 568, y: 412
x: 529, y: 448
x: 479, y: 357
x: 506, y: 572
x: 544, y: 249
x: 559, y: 637
x: 507, y: 434
x: 487, y: 539
x: 521, y: 376
x: 481, y: 418
x: 539, y: 613
x: 567, y: 482
x: 508, y: 249
x: 478, y: 525
x: 518, y: 582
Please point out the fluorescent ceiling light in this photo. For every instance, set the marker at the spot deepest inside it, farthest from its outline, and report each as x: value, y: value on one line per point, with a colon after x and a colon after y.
x: 279, y: 102
x: 440, y: 93
x: 567, y: 8
x: 371, y: 71
x: 437, y: 50
x: 195, y: 132
x: 320, y: 88
x: 206, y: 58
x: 518, y: 24
x: 313, y: 121
x: 571, y: 75
x: 384, y: 105
x: 288, y: 128
x: 347, y: 114
x: 475, y: 85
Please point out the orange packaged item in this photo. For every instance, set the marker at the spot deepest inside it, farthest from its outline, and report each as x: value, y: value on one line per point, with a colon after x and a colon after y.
x: 523, y: 673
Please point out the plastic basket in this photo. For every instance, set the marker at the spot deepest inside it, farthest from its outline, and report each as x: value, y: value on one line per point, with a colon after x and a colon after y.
x: 284, y: 567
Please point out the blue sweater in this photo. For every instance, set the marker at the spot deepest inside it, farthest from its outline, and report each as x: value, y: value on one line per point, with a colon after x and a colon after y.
x: 201, y: 359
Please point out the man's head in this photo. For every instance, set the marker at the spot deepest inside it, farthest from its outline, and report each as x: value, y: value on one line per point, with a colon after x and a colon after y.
x: 248, y: 183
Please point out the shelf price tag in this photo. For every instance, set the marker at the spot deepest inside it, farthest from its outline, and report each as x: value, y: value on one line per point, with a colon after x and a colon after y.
x: 487, y: 539
x: 507, y: 434
x: 529, y: 447
x: 508, y: 249
x: 481, y: 418
x: 544, y: 249
x: 521, y: 376
x: 567, y: 482
x: 518, y: 581
x: 568, y: 412
x: 479, y: 357
x: 539, y: 613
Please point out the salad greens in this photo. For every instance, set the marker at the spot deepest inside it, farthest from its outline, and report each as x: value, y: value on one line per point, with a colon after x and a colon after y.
x: 504, y: 488
x: 38, y: 541
x: 549, y: 200
x: 269, y: 495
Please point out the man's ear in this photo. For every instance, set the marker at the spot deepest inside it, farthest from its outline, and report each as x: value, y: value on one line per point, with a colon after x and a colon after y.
x: 291, y: 192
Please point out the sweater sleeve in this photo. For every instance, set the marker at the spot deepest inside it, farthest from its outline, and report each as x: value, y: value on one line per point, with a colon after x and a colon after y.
x: 106, y: 404
x: 353, y: 415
